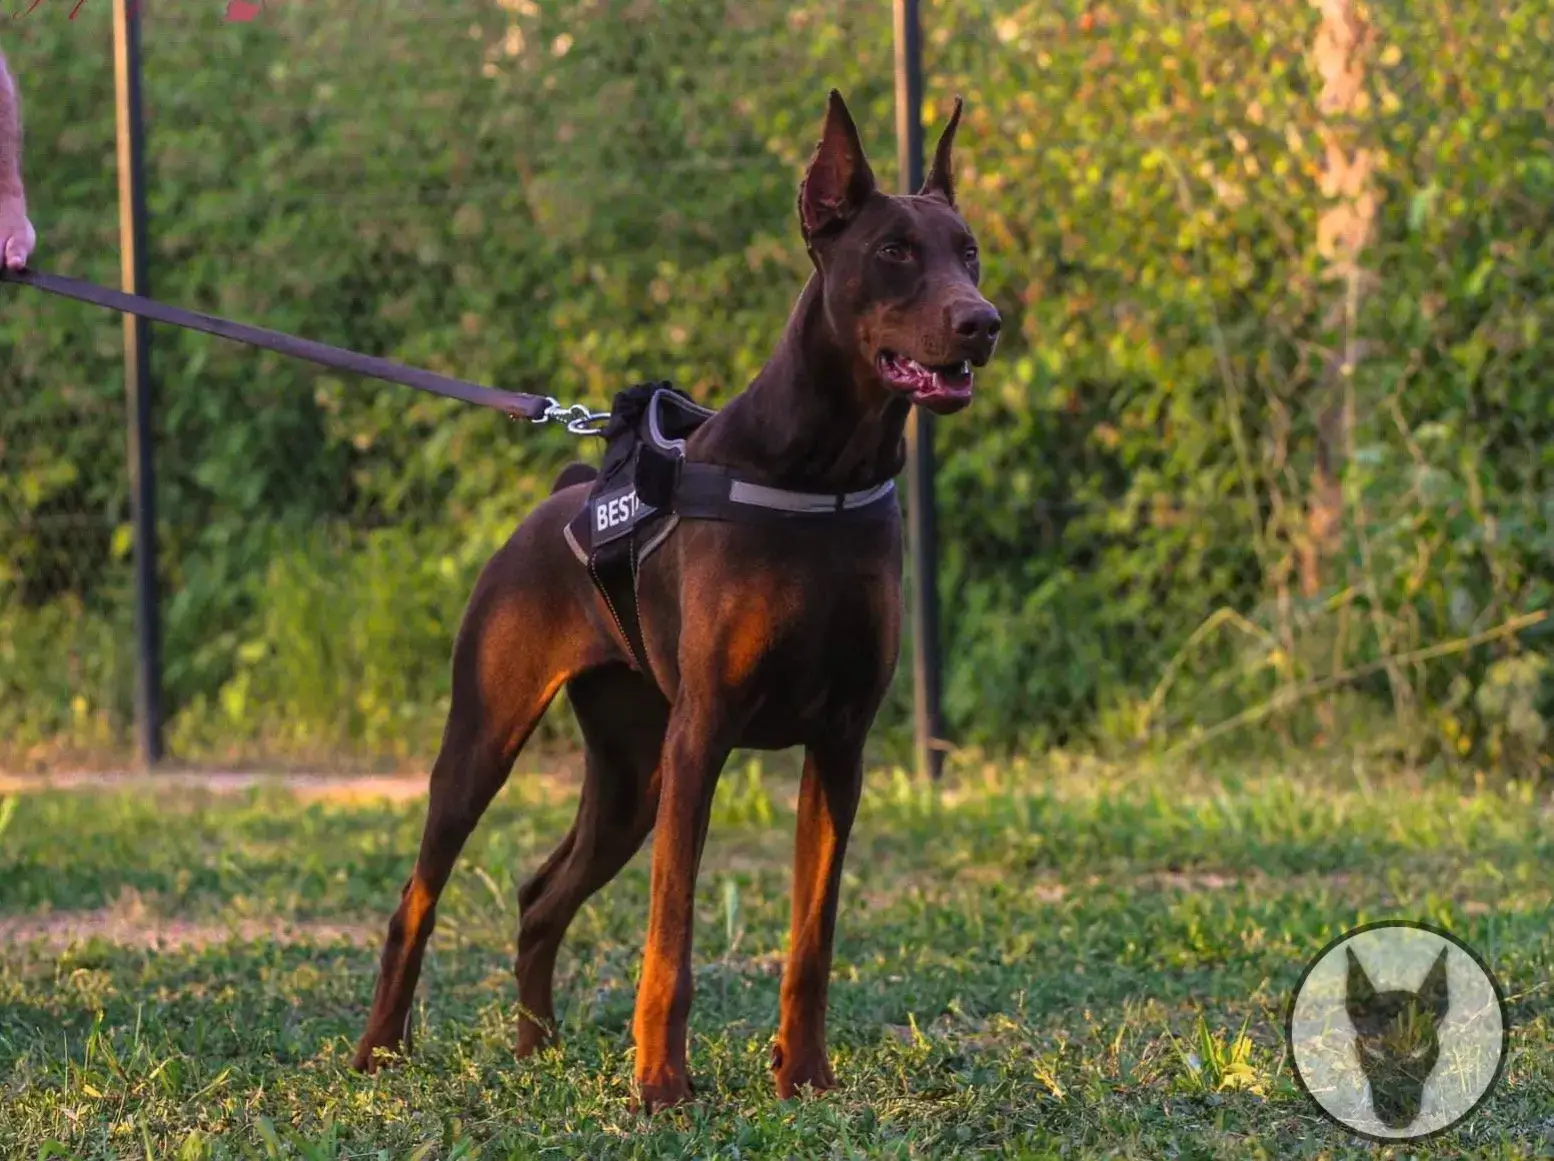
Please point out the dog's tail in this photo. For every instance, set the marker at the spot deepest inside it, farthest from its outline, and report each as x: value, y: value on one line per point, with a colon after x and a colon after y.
x: 578, y: 473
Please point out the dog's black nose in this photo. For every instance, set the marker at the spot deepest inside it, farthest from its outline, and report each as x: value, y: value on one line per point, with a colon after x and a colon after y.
x: 977, y: 321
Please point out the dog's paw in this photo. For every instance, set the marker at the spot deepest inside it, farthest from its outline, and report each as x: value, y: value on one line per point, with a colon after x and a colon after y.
x: 664, y: 1091
x: 793, y: 1074
x: 371, y: 1058
x: 534, y: 1037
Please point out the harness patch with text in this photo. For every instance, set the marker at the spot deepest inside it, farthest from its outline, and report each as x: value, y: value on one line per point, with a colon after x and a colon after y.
x: 615, y: 512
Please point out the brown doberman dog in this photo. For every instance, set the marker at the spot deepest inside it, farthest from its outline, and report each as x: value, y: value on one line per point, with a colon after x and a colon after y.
x: 756, y: 635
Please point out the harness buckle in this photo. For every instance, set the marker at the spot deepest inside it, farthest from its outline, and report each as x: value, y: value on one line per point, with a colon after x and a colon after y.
x: 656, y: 477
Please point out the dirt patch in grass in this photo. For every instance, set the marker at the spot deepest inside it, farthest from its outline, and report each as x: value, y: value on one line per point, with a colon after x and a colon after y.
x: 556, y: 783
x: 130, y: 923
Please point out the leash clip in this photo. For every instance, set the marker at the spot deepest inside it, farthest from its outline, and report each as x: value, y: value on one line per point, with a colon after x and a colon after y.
x: 577, y: 417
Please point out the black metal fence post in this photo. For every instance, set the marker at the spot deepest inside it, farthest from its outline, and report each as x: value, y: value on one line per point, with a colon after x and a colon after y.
x: 137, y: 378
x: 921, y: 524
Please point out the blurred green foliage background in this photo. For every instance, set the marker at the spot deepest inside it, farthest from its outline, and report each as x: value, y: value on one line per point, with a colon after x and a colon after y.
x: 1206, y: 483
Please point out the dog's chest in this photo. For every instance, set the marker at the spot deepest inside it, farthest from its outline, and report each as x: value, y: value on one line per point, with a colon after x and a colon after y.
x: 826, y: 667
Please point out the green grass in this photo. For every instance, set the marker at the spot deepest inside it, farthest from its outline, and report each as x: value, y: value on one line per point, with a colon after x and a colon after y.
x: 1043, y: 964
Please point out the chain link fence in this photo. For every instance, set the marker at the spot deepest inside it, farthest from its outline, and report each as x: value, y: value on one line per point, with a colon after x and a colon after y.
x: 1264, y: 459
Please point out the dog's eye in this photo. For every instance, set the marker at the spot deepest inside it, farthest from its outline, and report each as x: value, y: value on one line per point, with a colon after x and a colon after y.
x: 971, y: 255
x: 894, y: 252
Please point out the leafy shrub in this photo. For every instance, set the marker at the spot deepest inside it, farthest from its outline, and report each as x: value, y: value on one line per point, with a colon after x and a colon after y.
x: 571, y: 197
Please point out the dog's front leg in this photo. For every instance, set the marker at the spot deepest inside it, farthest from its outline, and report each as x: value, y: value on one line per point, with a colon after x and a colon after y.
x: 697, y: 744
x: 828, y: 802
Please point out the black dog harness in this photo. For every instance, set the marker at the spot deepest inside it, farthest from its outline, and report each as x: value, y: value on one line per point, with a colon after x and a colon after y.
x: 646, y: 486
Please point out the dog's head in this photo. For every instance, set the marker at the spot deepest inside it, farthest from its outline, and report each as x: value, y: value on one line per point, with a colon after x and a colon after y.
x: 898, y: 275
x: 1396, y: 1038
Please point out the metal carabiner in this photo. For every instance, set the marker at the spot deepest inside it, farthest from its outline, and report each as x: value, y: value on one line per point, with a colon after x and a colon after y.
x: 579, y: 419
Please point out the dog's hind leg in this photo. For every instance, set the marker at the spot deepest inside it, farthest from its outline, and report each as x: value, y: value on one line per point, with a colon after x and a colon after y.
x: 523, y: 636
x: 623, y: 718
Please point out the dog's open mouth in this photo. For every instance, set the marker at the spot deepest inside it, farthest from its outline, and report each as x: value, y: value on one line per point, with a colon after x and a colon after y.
x: 939, y: 388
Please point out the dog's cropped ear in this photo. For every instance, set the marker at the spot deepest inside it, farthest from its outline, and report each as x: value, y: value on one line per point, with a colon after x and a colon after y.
x: 1360, y: 993
x: 940, y: 182
x: 1433, y: 992
x: 838, y: 180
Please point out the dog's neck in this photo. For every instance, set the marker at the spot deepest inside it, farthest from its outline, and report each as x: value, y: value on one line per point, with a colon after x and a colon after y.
x: 812, y: 419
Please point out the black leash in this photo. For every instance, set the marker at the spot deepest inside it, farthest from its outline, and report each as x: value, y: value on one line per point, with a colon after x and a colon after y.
x: 536, y: 408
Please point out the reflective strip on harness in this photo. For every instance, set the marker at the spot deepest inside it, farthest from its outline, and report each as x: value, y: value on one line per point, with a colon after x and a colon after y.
x: 785, y: 501
x: 709, y: 492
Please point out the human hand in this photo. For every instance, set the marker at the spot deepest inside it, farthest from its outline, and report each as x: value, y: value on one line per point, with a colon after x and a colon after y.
x: 17, y: 237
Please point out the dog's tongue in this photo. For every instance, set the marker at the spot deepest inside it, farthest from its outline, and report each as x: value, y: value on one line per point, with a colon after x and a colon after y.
x: 928, y: 385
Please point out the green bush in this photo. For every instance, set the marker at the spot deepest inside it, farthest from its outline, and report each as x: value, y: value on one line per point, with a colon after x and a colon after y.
x: 571, y: 197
